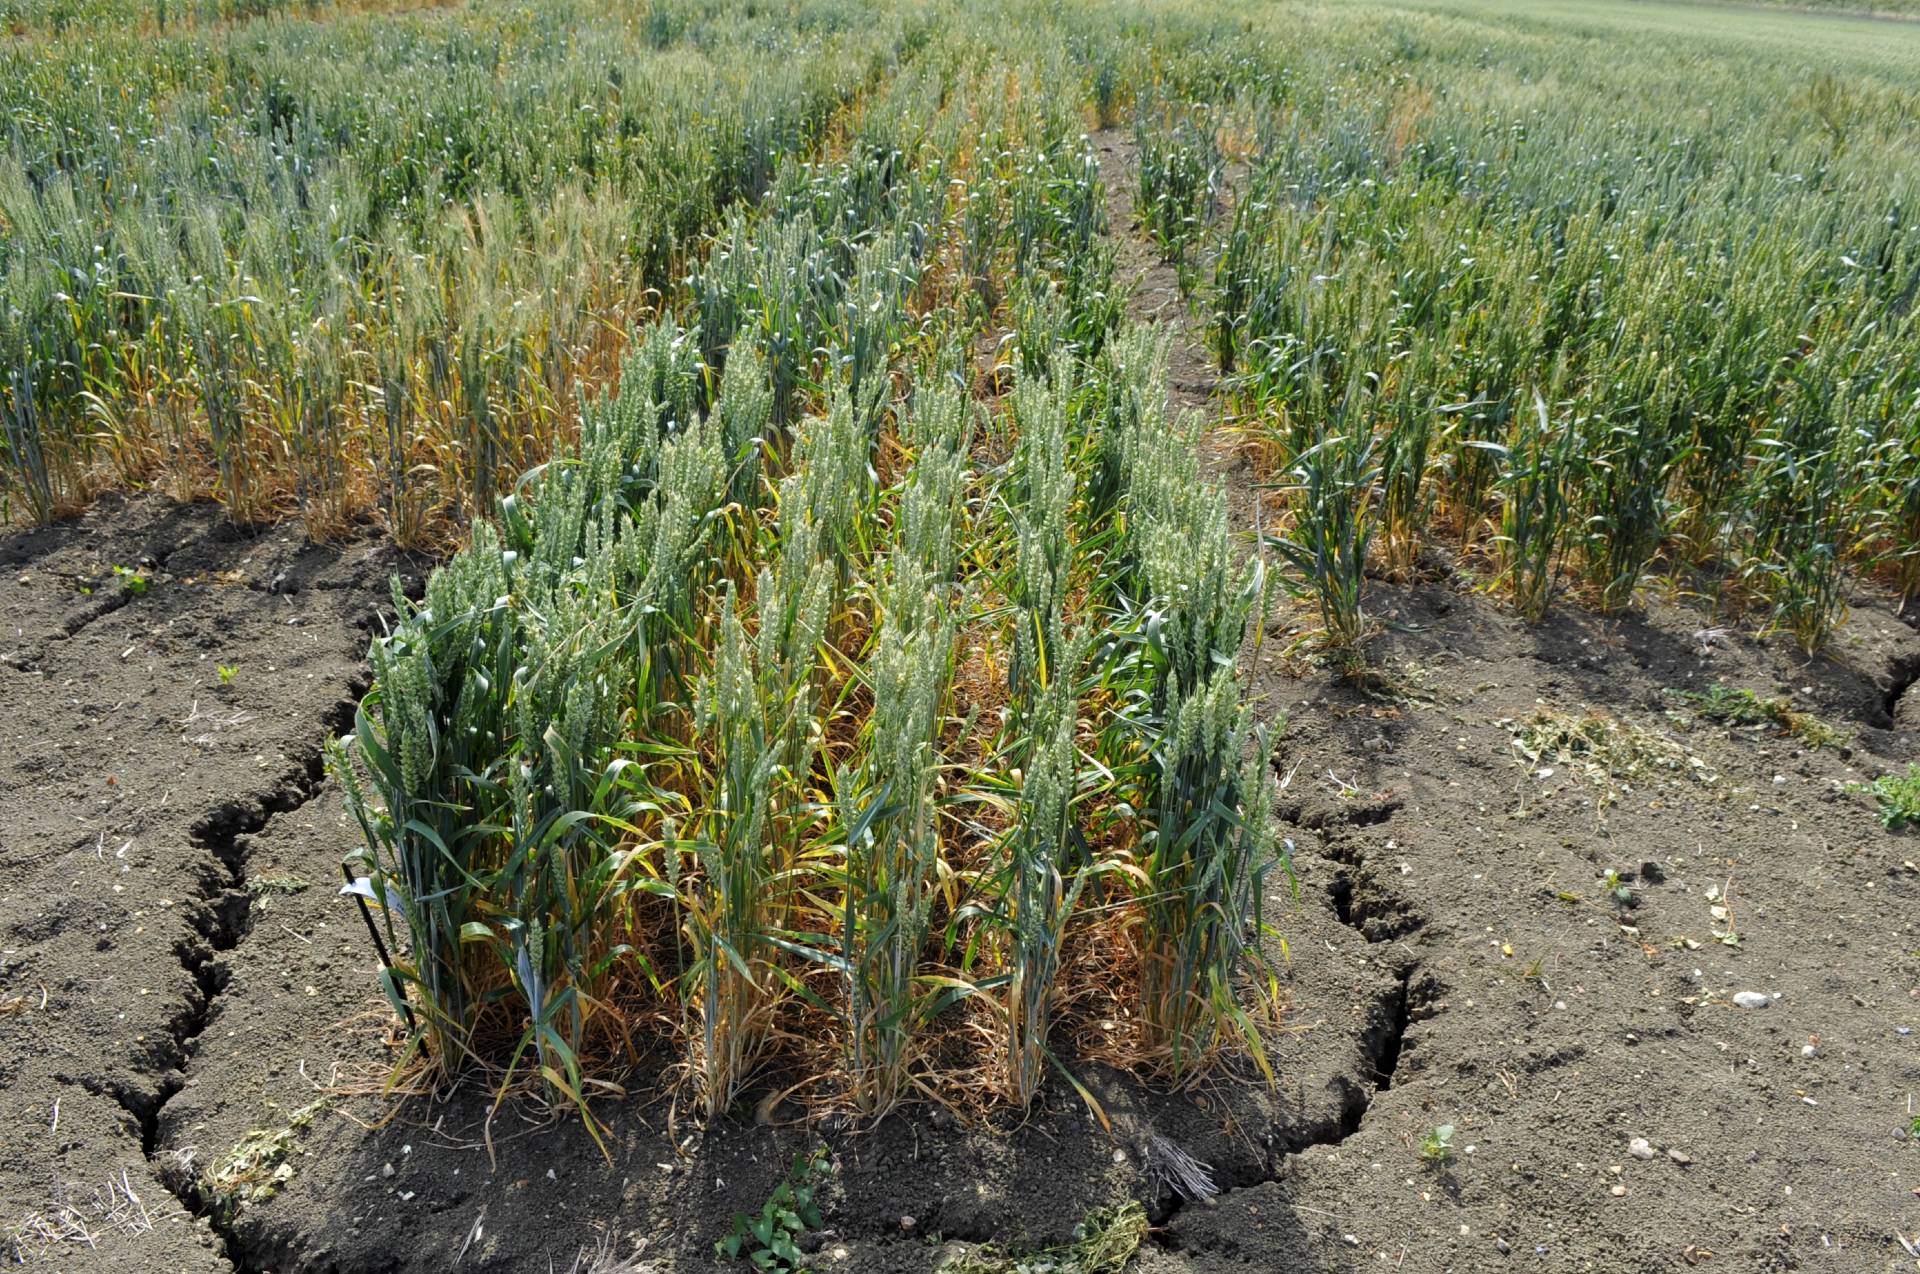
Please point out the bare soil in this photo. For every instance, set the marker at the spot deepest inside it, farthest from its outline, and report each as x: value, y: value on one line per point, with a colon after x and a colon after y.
x: 132, y: 775
x: 182, y: 992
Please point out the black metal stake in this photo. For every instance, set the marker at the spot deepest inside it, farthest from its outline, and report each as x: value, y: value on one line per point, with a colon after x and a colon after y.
x: 386, y: 961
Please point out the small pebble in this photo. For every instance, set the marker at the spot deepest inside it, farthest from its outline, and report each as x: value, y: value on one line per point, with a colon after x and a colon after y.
x: 1639, y: 1148
x: 1680, y: 1157
x: 1618, y: 1192
x: 1502, y: 1246
x: 1751, y: 1000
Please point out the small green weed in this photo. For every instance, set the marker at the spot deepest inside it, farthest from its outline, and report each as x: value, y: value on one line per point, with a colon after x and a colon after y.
x: 132, y: 580
x: 1436, y: 1147
x: 1899, y: 797
x: 1729, y: 706
x: 768, y: 1241
x: 227, y: 672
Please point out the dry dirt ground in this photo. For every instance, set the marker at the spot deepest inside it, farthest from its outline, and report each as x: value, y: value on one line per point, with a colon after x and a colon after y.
x: 133, y: 771
x: 183, y: 996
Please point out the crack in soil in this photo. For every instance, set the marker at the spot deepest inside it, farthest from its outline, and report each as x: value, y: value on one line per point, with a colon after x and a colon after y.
x: 148, y: 564
x: 100, y: 605
x: 1355, y: 897
x: 99, y: 608
x: 1349, y: 813
x: 1359, y: 902
x: 1381, y: 1049
x: 1905, y: 673
x: 222, y: 918
x: 1356, y: 894
x: 1393, y: 1039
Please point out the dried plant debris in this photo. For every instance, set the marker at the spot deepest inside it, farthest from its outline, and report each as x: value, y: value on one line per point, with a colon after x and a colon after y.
x: 255, y: 1169
x: 79, y: 1223
x: 1169, y: 1168
x: 1610, y: 752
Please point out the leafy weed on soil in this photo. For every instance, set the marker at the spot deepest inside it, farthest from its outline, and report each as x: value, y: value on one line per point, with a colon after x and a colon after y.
x: 1735, y: 707
x: 1899, y: 797
x: 770, y: 1240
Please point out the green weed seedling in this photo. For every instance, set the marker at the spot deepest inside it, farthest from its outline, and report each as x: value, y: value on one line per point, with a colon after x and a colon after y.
x: 1899, y: 797
x: 769, y: 1241
x: 132, y: 580
x: 1436, y: 1147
